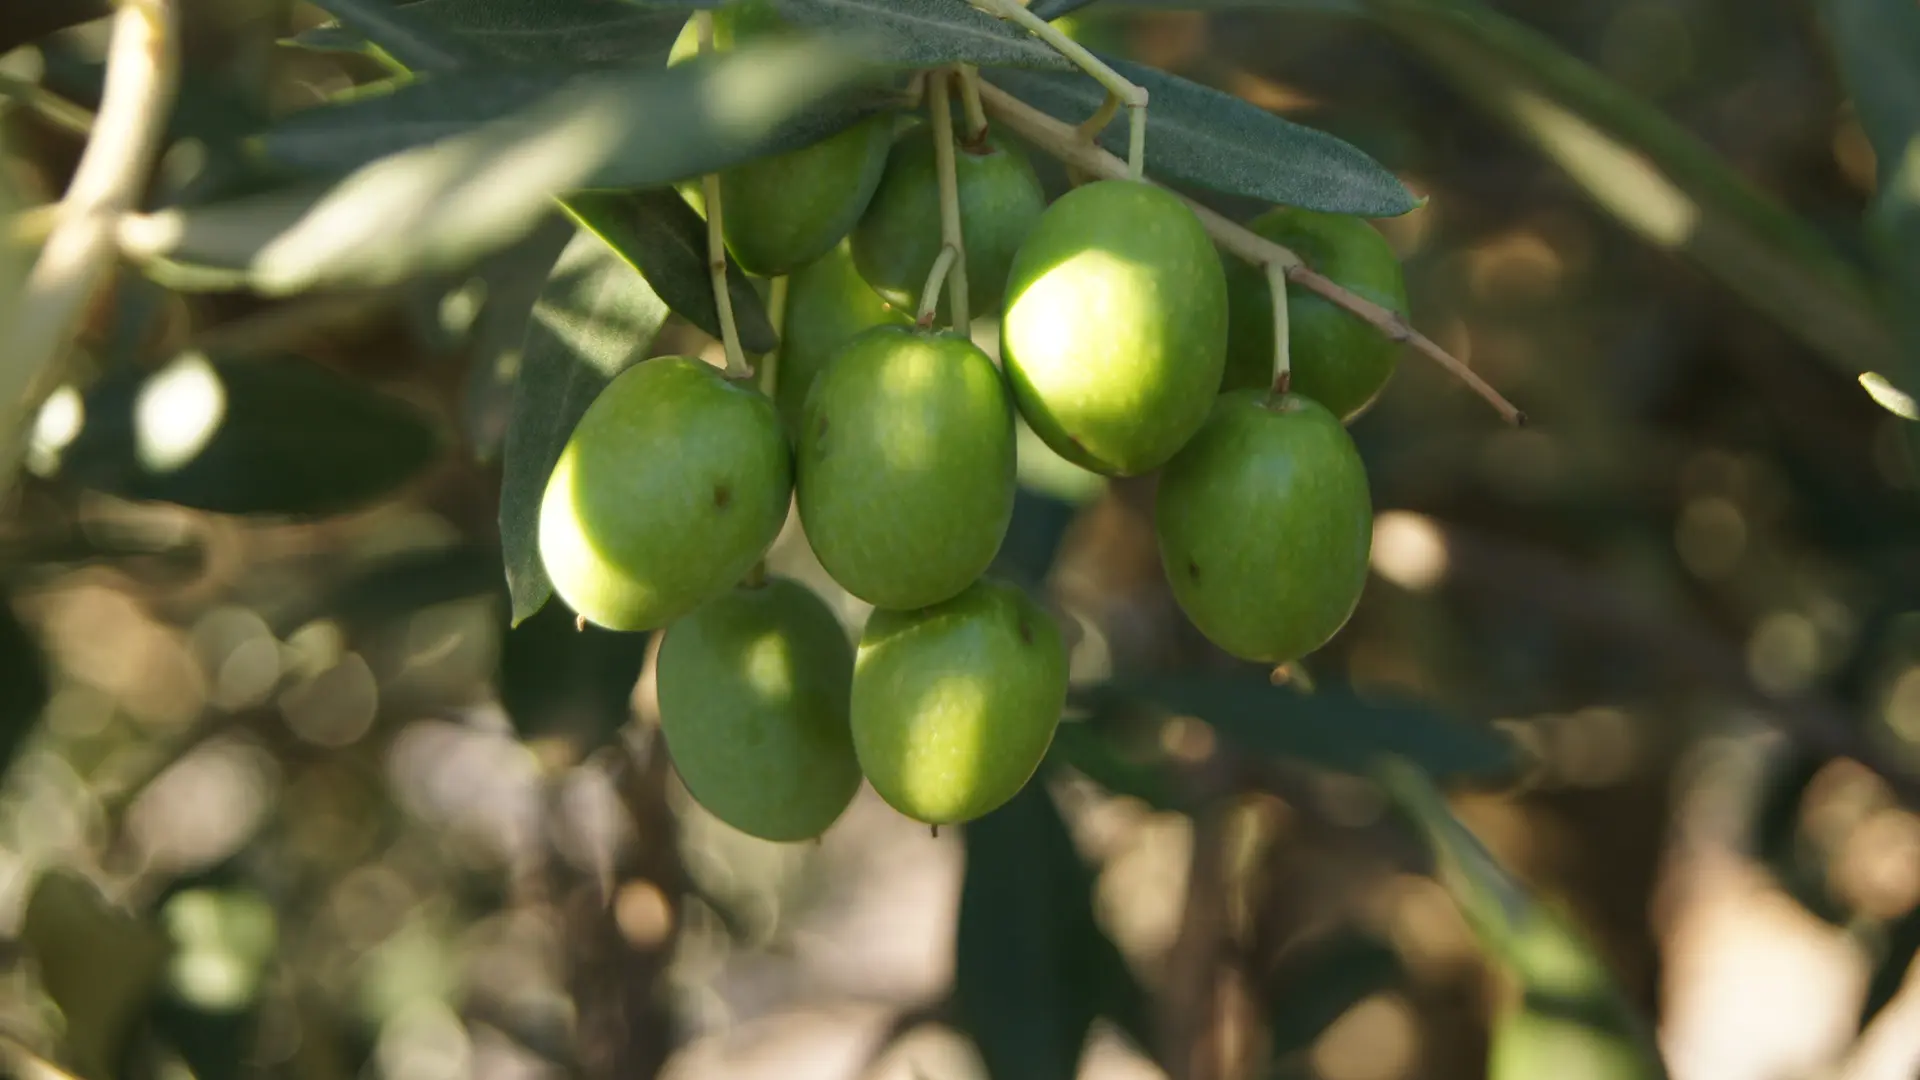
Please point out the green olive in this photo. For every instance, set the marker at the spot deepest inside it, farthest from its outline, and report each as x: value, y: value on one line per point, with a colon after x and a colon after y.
x: 905, y: 468
x: 1335, y: 358
x: 955, y: 705
x: 1116, y: 326
x: 754, y: 690
x: 1265, y: 524
x: 673, y: 484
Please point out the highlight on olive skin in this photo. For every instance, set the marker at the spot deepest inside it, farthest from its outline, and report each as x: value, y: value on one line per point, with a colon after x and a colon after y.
x: 1115, y: 330
x: 753, y: 690
x: 673, y: 484
x: 955, y: 705
x: 905, y: 466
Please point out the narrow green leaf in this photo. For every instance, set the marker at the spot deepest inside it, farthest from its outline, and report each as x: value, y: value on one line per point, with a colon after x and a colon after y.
x: 514, y: 278
x: 271, y: 435
x: 331, y: 38
x: 1201, y: 136
x: 417, y: 113
x: 595, y: 318
x: 1572, y: 1018
x: 1878, y: 45
x: 1655, y: 177
x: 97, y: 962
x: 1032, y: 968
x: 541, y: 31
x: 1053, y: 9
x: 392, y: 588
x: 441, y: 205
x: 1086, y: 748
x: 666, y: 241
x: 928, y: 33
x: 366, y: 126
x: 1331, y: 728
x: 404, y: 36
x: 1315, y: 984
x: 557, y: 679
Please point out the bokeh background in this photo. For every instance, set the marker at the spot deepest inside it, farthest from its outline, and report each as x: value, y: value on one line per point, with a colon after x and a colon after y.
x: 288, y: 797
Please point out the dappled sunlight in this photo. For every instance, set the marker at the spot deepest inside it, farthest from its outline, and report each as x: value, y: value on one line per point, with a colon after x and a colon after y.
x: 1621, y: 179
x: 178, y: 412
x: 767, y: 664
x: 945, y: 745
x: 905, y: 381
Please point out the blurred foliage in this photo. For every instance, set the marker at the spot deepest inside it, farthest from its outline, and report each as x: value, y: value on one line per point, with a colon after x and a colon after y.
x: 299, y: 783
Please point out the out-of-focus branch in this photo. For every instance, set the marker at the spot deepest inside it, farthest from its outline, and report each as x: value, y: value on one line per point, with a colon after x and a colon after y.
x: 142, y: 73
x: 1521, y: 576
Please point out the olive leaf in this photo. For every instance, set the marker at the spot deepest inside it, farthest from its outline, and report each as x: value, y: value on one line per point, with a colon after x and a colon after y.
x: 533, y: 31
x: 928, y: 33
x: 511, y: 280
x: 1053, y: 9
x: 440, y: 205
x: 1876, y: 42
x: 665, y: 239
x: 596, y: 317
x: 1571, y: 1013
x: 1331, y: 728
x: 402, y: 34
x: 276, y: 435
x: 1032, y: 968
x: 1201, y: 136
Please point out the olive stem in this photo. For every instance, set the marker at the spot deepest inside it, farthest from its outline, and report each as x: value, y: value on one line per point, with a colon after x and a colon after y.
x: 777, y: 315
x: 976, y: 113
x: 1282, y: 337
x: 737, y: 367
x: 1132, y: 96
x: 937, y: 277
x: 1060, y: 140
x: 1092, y: 126
x: 950, y: 234
x: 1089, y: 132
x: 142, y: 73
x: 61, y: 113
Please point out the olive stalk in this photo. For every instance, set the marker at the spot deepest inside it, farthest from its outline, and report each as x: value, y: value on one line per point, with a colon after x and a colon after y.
x: 1063, y: 142
x: 737, y: 367
x: 777, y: 315
x: 976, y: 113
x: 937, y: 277
x: 950, y: 233
x: 142, y: 73
x: 1282, y: 336
x: 1132, y: 96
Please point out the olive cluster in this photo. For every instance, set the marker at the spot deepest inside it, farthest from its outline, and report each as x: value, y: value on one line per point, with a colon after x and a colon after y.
x: 1127, y: 344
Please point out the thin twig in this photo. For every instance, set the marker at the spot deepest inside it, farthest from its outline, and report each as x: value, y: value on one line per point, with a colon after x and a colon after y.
x: 50, y: 106
x: 970, y: 107
x: 937, y: 277
x: 737, y: 366
x: 1398, y: 329
x: 950, y: 232
x: 142, y: 72
x: 1092, y: 126
x: 777, y: 315
x: 1133, y: 96
x: 1062, y: 141
x: 1282, y: 333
